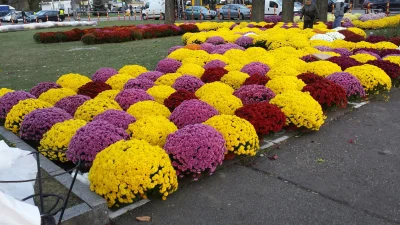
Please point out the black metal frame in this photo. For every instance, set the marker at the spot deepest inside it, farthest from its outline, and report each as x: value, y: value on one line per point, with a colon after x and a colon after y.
x: 48, y: 214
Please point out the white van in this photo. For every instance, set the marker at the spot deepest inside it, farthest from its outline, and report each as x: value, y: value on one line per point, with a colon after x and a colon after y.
x: 273, y: 6
x: 154, y: 9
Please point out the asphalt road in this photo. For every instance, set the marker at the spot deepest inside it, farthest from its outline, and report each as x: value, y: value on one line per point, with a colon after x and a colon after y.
x: 347, y: 173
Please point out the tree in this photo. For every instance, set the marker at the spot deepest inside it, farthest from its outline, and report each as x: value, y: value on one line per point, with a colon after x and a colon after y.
x: 287, y: 11
x: 258, y: 7
x: 169, y: 11
x: 323, y: 10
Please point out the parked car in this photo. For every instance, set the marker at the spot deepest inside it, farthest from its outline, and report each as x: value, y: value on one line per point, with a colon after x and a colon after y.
x: 380, y: 5
x: 7, y: 18
x: 43, y: 16
x: 199, y: 12
x: 332, y: 2
x: 232, y: 11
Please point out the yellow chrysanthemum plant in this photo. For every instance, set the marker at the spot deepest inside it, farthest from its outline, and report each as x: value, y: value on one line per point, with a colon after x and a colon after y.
x: 118, y: 81
x: 128, y: 171
x: 108, y: 94
x: 212, y: 88
x: 52, y: 96
x: 153, y: 129
x: 19, y: 111
x: 73, y: 81
x: 148, y: 108
x: 55, y: 142
x: 285, y: 83
x: 224, y: 103
x: 4, y: 91
x: 240, y: 136
x: 160, y: 92
x: 323, y: 68
x: 88, y: 110
x: 235, y: 79
x: 167, y: 79
x: 373, y: 79
x: 132, y: 70
x: 300, y: 109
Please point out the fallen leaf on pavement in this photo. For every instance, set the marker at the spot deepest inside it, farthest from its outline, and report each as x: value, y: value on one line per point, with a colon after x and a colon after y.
x: 274, y: 157
x: 144, y: 218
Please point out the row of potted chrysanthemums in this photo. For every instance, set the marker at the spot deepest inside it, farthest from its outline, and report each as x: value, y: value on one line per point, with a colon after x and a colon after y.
x: 139, y: 130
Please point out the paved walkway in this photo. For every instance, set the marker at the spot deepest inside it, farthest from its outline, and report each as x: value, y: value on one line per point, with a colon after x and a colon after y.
x: 347, y: 173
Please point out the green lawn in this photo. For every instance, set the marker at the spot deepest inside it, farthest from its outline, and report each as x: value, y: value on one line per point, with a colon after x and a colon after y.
x: 24, y: 63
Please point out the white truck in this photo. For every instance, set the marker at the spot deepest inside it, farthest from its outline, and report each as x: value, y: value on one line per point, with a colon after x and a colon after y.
x: 154, y: 9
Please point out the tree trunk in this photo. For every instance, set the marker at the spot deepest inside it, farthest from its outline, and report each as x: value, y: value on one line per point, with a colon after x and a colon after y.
x: 169, y: 11
x: 287, y: 11
x: 323, y: 10
x: 258, y: 7
x: 74, y: 6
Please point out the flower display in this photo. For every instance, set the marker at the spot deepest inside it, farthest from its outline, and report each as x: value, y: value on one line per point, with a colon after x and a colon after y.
x: 257, y: 79
x: 391, y: 69
x: 109, y: 94
x: 351, y: 36
x: 92, y: 89
x: 43, y: 87
x: 216, y: 40
x: 168, y: 65
x: 349, y: 83
x: 91, y: 139
x: 207, y: 47
x: 282, y: 71
x: 235, y: 79
x: 363, y: 58
x: 151, y: 75
x: 55, y: 141
x: 216, y: 63
x: 128, y: 97
x: 139, y: 83
x: 310, y: 78
x: 72, y: 81
x: 19, y: 111
x: 254, y: 93
x: 327, y: 93
x: 344, y: 62
x: 71, y: 103
x: 187, y: 83
x: 153, y: 129
x: 195, y: 149
x: 375, y: 39
x: 285, y: 83
x: 214, y: 87
x: 148, y: 108
x: 300, y: 109
x: 167, y: 79
x: 393, y: 59
x: 161, y: 92
x: 192, y: 112
x: 240, y: 136
x: 244, y: 41
x: 372, y: 78
x: 52, y: 96
x: 132, y: 70
x: 191, y: 69
x: 323, y: 68
x: 8, y: 100
x: 177, y: 98
x: 103, y: 74
x: 118, y: 81
x: 223, y: 102
x: 117, y: 118
x: 4, y: 91
x: 213, y: 74
x: 137, y: 170
x: 39, y: 121
x: 265, y: 118
x: 89, y: 109
x: 255, y: 68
